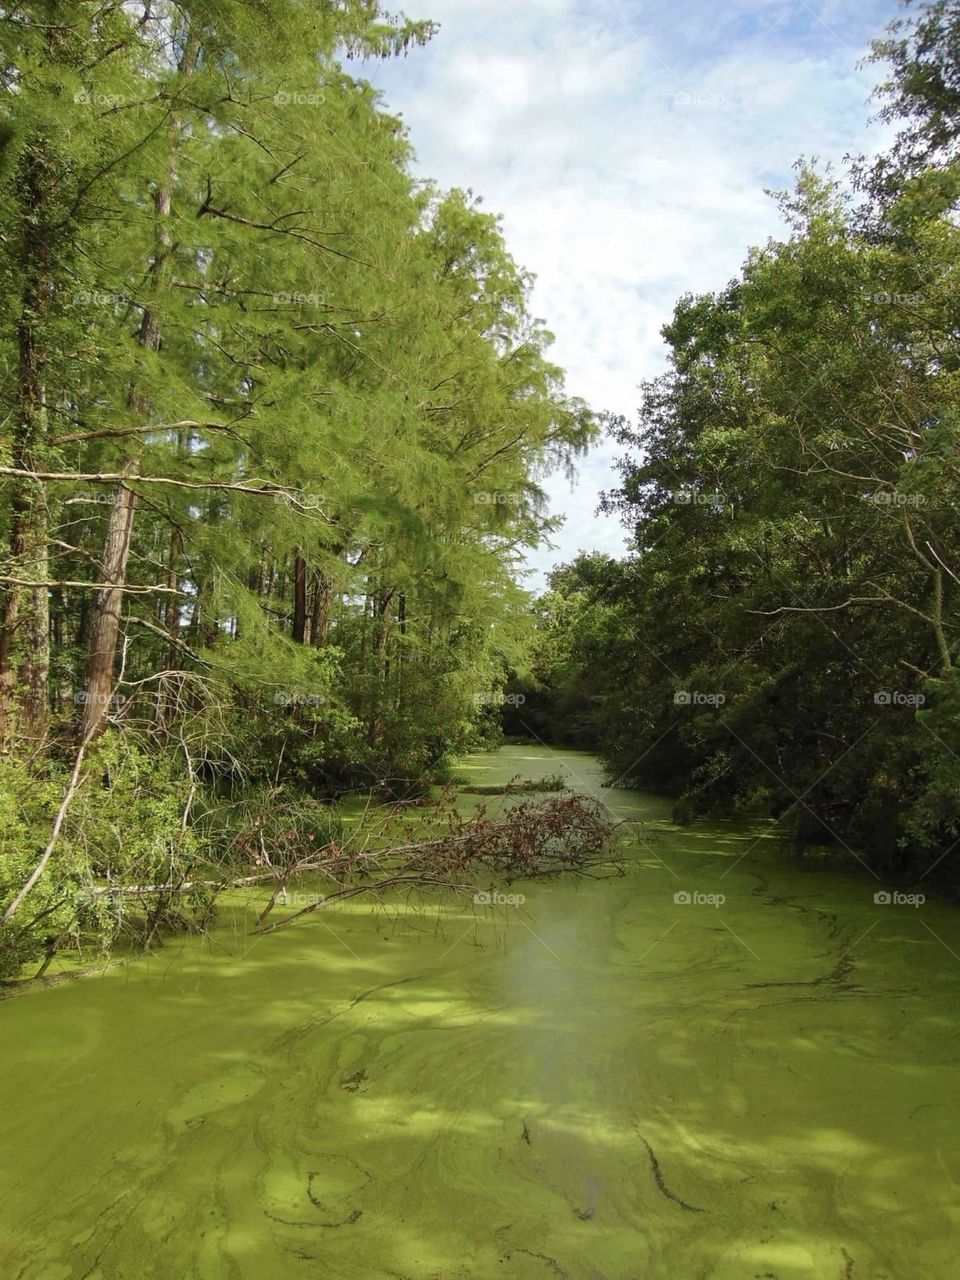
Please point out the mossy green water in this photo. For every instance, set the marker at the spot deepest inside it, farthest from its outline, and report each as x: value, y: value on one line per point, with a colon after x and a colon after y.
x: 605, y: 1084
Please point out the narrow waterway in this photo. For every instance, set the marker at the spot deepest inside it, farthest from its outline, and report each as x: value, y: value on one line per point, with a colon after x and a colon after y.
x: 605, y: 1083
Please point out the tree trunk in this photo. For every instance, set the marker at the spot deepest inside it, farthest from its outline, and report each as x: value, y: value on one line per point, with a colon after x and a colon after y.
x: 171, y: 608
x: 299, y: 599
x: 208, y: 619
x: 171, y: 611
x: 102, y: 655
x: 384, y: 614
x: 25, y: 614
x: 320, y: 613
x: 402, y: 623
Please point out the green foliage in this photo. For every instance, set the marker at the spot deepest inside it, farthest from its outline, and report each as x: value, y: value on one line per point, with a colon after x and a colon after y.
x: 126, y: 826
x: 922, y: 90
x: 561, y: 697
x: 782, y: 638
x: 322, y: 384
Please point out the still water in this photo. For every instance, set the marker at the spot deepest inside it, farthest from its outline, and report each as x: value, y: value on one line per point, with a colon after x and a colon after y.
x: 622, y: 1079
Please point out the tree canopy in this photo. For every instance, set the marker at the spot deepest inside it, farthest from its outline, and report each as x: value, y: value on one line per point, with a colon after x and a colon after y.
x: 782, y: 637
x: 274, y: 412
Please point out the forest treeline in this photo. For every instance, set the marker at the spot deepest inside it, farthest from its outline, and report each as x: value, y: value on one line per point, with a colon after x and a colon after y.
x: 781, y: 637
x: 273, y: 420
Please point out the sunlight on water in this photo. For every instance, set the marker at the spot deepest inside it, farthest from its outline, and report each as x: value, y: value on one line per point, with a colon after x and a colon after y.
x: 718, y: 1065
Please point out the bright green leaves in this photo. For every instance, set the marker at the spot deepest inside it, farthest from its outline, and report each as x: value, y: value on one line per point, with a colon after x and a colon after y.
x: 251, y: 290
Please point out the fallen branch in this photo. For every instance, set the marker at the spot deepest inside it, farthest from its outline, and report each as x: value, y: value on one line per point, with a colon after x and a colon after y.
x: 565, y: 835
x: 191, y: 886
x: 390, y: 882
x: 516, y: 786
x: 568, y: 834
x: 38, y: 870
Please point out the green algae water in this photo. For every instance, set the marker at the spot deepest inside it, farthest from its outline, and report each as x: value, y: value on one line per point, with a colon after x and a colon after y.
x: 719, y: 1064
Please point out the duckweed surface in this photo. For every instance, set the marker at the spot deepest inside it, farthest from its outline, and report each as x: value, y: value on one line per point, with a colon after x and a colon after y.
x: 609, y: 1082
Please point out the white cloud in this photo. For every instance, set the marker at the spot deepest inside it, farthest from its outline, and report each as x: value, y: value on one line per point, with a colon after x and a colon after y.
x: 628, y: 148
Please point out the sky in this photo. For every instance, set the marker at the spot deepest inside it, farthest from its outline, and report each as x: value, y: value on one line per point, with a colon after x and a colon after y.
x: 629, y: 146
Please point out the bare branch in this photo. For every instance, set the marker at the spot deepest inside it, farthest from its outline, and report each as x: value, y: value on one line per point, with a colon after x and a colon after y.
x: 261, y: 489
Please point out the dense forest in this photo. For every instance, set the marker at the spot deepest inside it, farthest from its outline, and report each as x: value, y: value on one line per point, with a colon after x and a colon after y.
x: 274, y: 419
x: 276, y: 415
x: 782, y: 637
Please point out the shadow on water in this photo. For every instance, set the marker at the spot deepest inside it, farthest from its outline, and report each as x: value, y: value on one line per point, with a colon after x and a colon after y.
x: 718, y: 1065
